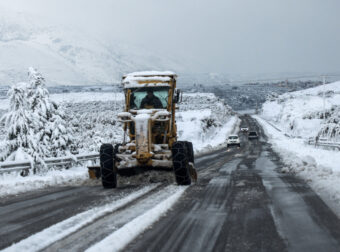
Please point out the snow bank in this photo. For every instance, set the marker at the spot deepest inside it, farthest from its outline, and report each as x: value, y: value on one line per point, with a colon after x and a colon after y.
x: 13, y: 183
x: 320, y: 168
x: 301, y: 113
x: 190, y: 128
x: 205, y: 120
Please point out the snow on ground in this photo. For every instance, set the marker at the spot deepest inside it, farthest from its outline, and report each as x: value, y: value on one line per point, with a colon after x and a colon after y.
x: 191, y: 129
x: 319, y: 167
x: 301, y: 113
x: 13, y: 183
x: 87, y: 97
x: 205, y: 120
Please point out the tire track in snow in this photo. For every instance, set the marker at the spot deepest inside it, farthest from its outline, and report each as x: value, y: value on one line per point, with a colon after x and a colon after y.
x: 50, y: 235
x: 132, y: 229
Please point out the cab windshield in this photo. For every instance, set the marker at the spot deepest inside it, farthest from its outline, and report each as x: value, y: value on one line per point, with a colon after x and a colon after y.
x: 147, y: 98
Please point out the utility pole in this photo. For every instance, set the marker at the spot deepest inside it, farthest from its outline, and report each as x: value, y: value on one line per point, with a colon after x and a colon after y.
x: 323, y: 97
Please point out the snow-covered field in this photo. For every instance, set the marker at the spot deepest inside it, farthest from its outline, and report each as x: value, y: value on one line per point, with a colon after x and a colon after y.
x: 202, y: 118
x: 300, y: 115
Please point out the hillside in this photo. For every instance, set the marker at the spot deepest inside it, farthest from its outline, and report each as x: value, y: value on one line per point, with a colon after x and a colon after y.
x: 68, y: 56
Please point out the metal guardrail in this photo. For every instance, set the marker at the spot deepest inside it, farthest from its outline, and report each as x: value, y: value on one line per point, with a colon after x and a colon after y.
x: 322, y: 142
x: 6, y: 167
x: 275, y: 127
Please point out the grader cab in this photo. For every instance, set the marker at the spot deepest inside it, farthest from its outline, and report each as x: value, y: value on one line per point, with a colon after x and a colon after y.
x: 150, y: 133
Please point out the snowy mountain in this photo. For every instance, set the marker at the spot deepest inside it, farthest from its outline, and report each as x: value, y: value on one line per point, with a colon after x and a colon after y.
x: 66, y: 56
x: 301, y: 113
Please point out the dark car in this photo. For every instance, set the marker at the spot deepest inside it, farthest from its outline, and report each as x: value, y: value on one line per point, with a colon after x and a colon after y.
x: 253, y: 135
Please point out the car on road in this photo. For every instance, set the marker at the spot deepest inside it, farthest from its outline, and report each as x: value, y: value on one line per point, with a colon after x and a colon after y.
x: 253, y: 135
x: 233, y: 140
x: 244, y: 128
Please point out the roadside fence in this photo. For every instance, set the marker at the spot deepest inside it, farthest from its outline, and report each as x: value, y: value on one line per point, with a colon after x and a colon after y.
x: 67, y: 161
x: 323, y: 142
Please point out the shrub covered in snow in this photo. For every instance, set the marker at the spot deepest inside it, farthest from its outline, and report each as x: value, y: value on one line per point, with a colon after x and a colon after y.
x: 331, y: 129
x: 94, y: 123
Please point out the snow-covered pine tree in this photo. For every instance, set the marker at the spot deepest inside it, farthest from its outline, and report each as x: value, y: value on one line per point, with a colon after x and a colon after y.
x: 54, y: 136
x: 41, y: 107
x: 21, y: 142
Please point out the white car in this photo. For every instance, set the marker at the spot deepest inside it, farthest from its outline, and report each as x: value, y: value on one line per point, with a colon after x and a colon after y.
x: 233, y: 140
x: 244, y: 129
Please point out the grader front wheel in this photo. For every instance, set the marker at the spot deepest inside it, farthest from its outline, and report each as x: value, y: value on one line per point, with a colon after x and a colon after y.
x: 107, y: 169
x: 181, y: 163
x: 190, y: 149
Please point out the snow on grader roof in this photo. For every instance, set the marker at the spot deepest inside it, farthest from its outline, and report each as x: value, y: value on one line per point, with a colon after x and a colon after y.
x: 151, y: 73
x: 148, y: 78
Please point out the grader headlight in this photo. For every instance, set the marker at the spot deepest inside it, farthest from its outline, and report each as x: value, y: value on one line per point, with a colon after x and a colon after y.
x: 161, y: 116
x: 124, y: 117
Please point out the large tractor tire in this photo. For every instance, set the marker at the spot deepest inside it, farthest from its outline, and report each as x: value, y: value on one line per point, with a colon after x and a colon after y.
x: 180, y: 163
x: 190, y: 148
x: 107, y: 169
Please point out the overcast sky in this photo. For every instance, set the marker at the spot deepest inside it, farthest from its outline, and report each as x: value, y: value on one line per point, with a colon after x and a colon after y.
x: 227, y: 36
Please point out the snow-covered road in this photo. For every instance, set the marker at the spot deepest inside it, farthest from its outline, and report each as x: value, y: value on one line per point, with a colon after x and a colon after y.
x: 319, y: 167
x: 241, y: 202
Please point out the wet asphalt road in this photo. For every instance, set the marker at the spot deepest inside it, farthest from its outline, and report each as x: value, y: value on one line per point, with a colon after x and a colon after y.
x: 245, y: 204
x: 240, y: 203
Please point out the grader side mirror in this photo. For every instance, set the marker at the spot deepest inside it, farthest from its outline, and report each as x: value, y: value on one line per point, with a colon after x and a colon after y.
x: 177, y: 96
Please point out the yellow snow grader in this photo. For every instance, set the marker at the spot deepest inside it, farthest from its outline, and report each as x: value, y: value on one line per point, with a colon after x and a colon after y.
x: 150, y: 133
